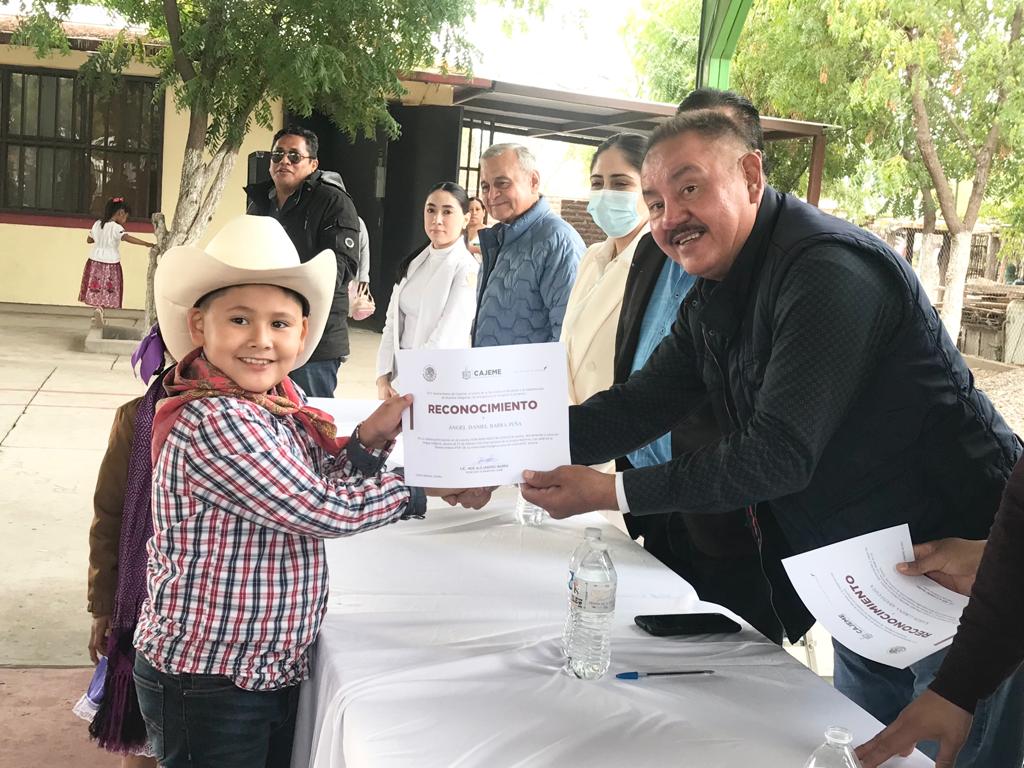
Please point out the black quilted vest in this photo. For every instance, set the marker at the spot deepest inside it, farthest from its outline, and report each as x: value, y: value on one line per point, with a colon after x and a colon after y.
x: 919, y: 445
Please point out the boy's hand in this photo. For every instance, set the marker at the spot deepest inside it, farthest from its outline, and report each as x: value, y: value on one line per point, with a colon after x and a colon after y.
x: 444, y: 493
x: 470, y: 498
x: 953, y: 563
x: 383, y: 425
x: 98, y: 638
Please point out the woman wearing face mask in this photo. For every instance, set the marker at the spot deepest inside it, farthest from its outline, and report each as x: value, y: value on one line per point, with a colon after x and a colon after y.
x: 433, y: 304
x: 592, y: 314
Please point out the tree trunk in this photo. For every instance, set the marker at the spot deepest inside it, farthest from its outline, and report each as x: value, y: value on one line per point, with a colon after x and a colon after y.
x: 992, y: 253
x: 154, y: 254
x: 961, y: 229
x: 204, y: 183
x: 953, y: 300
x: 149, y: 317
x: 928, y: 261
x: 928, y: 266
x: 944, y: 252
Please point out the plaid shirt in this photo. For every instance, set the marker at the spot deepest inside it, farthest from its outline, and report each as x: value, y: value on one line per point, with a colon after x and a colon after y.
x: 237, y: 576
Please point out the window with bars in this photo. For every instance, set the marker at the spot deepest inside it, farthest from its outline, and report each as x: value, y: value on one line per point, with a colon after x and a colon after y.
x: 476, y: 137
x: 66, y: 149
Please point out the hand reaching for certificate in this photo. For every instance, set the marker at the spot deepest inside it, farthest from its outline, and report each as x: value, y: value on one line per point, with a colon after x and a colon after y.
x: 445, y: 493
x: 570, y: 490
x: 953, y: 563
x: 384, y: 424
x: 470, y: 498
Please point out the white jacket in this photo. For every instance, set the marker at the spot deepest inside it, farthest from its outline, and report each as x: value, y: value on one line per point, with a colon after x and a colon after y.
x: 446, y: 308
x: 592, y: 317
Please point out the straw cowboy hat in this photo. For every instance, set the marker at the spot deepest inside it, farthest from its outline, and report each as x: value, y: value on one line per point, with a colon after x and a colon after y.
x: 249, y: 250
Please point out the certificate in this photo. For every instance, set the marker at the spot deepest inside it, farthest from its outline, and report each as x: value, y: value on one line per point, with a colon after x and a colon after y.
x: 481, y: 416
x: 854, y: 590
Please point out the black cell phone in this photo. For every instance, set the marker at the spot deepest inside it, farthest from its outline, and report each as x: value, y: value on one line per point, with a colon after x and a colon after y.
x: 671, y: 624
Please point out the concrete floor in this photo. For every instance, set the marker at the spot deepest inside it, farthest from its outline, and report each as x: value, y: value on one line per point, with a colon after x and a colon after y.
x: 37, y: 727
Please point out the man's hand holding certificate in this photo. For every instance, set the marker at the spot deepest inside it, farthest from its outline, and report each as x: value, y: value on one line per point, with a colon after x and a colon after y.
x: 479, y: 417
x: 855, y: 589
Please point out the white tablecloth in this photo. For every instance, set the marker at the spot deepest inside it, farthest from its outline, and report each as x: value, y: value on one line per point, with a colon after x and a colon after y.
x: 441, y: 648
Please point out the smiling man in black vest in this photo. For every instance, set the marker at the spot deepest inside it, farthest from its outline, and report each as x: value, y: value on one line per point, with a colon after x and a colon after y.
x: 843, y: 404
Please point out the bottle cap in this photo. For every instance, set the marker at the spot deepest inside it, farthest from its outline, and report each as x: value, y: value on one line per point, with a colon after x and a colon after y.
x: 592, y: 533
x: 838, y: 735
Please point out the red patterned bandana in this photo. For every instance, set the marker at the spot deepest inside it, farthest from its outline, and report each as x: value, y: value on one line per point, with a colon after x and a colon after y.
x: 194, y: 378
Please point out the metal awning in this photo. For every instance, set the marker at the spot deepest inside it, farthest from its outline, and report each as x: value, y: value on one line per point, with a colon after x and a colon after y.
x: 527, y: 110
x: 544, y: 113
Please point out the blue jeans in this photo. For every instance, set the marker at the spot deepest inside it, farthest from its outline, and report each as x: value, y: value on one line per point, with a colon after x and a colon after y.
x: 318, y: 378
x: 997, y: 735
x: 206, y: 721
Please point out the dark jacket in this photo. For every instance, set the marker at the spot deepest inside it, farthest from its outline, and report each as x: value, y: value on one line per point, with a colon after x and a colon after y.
x: 319, y: 216
x: 717, y: 554
x: 842, y: 400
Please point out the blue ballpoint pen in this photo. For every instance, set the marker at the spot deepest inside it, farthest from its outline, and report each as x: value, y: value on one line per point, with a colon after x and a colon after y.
x: 638, y: 675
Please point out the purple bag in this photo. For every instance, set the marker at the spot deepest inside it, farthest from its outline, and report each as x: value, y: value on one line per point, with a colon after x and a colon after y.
x: 90, y: 702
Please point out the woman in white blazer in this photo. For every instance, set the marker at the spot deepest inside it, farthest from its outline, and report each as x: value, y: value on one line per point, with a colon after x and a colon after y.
x: 592, y: 314
x: 434, y: 302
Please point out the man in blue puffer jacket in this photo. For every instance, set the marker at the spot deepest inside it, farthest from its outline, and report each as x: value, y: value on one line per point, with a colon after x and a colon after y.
x: 529, y: 256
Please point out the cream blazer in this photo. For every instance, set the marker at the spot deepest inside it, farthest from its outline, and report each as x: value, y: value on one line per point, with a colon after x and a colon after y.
x: 446, y: 310
x: 592, y: 316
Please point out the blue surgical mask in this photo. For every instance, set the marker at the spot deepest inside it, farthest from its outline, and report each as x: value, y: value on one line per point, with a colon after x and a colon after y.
x: 614, y: 211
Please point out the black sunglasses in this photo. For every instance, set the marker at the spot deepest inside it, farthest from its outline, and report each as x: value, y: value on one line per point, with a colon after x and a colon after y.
x: 292, y: 154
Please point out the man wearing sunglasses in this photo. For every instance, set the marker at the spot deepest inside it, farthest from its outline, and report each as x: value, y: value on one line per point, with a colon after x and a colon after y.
x: 318, y: 214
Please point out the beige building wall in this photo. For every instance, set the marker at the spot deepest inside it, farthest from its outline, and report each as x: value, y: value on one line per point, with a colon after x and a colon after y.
x: 43, y: 264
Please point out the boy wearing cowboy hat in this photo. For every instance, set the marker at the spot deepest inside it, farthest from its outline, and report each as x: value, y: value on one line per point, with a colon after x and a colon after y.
x: 247, y: 482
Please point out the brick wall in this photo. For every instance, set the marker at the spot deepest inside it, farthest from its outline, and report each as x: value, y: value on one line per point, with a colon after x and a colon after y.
x: 575, y: 212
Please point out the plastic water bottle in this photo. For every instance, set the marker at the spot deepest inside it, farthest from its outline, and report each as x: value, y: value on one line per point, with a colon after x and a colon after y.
x: 590, y: 535
x: 836, y: 752
x: 527, y: 513
x: 593, y: 606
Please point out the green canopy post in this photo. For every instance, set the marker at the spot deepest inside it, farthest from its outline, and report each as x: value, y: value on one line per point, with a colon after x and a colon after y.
x: 721, y: 22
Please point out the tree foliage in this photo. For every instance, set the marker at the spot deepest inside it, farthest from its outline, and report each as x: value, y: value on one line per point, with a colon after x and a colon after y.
x: 845, y: 62
x: 664, y: 39
x: 923, y: 94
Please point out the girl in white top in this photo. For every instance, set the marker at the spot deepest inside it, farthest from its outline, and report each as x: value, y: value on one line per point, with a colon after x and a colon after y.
x: 102, y: 281
x: 434, y: 302
x: 477, y: 221
x: 592, y: 314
